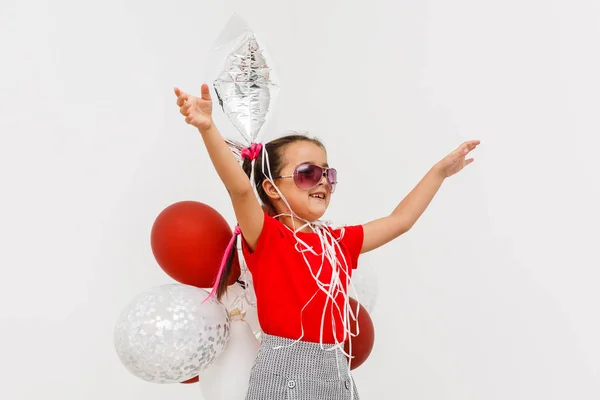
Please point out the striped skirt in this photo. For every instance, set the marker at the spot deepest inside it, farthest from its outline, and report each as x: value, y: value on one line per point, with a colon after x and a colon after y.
x: 299, y: 371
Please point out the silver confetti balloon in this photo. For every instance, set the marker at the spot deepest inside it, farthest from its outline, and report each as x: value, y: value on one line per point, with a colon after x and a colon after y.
x: 244, y: 81
x: 168, y: 335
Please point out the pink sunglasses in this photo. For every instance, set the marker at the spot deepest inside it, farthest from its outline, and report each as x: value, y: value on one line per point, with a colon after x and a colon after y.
x: 307, y: 176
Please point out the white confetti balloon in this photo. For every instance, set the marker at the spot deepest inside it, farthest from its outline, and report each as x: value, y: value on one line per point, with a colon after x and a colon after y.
x: 168, y: 335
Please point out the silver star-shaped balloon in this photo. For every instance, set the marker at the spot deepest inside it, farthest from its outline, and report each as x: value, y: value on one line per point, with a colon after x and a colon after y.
x: 244, y: 86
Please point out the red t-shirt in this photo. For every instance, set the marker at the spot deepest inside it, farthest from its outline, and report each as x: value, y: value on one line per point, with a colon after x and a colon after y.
x: 284, y: 284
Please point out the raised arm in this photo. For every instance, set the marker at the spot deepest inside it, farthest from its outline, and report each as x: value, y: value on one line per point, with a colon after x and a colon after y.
x: 198, y: 113
x: 405, y: 215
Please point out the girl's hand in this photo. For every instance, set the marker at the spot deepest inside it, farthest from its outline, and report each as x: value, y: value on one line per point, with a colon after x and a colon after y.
x: 455, y: 161
x: 197, y: 111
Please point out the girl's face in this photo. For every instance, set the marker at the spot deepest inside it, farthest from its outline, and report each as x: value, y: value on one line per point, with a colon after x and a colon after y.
x: 305, y: 186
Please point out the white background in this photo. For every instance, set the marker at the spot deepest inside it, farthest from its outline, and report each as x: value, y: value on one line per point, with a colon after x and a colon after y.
x: 493, y: 295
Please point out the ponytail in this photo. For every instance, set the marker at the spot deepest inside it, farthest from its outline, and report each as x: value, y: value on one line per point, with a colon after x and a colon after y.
x: 227, y: 267
x: 247, y: 166
x: 222, y: 281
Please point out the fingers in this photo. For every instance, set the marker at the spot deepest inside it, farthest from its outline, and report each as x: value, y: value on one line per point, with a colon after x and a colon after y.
x: 205, y: 92
x: 185, y: 107
x: 183, y: 103
x: 471, y: 144
x: 468, y: 146
x: 469, y: 161
x: 184, y: 110
x: 461, y: 150
x: 182, y: 99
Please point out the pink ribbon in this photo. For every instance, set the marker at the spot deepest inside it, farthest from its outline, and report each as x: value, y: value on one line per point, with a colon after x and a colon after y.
x: 236, y: 232
x: 252, y: 152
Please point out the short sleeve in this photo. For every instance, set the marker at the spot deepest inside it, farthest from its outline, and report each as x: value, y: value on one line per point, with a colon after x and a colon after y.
x: 352, y: 239
x: 268, y: 236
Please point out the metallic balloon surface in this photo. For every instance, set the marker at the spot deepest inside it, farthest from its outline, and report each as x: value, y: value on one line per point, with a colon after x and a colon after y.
x: 168, y: 335
x: 242, y: 76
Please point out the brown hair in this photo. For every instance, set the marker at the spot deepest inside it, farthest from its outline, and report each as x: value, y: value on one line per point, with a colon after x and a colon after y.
x: 276, y: 161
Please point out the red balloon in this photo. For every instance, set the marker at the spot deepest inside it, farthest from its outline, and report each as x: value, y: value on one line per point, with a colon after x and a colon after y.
x: 188, y: 240
x: 362, y: 344
x: 193, y: 380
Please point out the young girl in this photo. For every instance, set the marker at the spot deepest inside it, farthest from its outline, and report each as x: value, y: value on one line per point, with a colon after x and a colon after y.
x: 300, y: 267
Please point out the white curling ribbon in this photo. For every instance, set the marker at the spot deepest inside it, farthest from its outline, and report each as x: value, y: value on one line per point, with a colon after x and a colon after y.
x: 330, y: 248
x: 227, y: 378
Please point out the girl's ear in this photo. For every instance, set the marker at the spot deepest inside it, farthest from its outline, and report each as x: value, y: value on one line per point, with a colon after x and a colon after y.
x: 270, y: 190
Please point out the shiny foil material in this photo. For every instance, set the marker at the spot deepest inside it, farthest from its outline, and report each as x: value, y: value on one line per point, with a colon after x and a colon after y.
x: 167, y: 335
x: 245, y: 88
x: 236, y: 148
